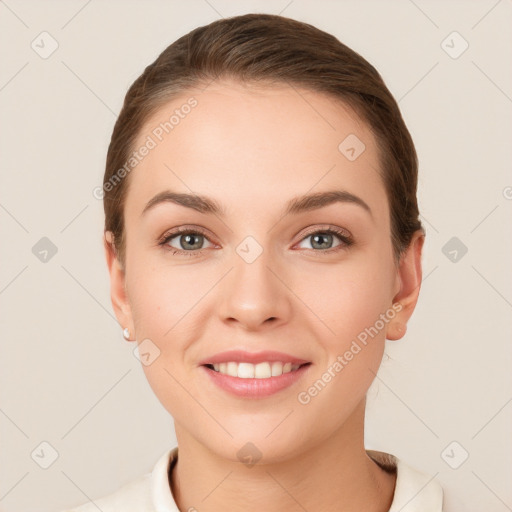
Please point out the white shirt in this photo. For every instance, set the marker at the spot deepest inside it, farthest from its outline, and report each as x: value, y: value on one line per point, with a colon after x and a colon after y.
x: 414, y: 491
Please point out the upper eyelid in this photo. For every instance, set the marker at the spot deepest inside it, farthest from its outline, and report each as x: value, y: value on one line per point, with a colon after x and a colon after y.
x: 326, y: 227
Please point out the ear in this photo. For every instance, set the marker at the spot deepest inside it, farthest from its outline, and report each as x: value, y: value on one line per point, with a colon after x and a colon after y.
x: 409, y: 275
x: 118, y: 294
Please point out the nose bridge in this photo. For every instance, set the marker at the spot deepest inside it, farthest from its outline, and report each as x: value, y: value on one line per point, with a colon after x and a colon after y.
x: 252, y: 293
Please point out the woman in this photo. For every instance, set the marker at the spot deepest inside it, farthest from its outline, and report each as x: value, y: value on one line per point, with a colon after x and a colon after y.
x: 263, y: 240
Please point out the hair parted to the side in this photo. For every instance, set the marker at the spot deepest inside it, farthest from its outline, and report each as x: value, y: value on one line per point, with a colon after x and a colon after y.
x: 266, y: 48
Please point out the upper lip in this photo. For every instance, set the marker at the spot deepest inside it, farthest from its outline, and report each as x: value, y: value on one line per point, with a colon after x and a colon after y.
x: 240, y: 356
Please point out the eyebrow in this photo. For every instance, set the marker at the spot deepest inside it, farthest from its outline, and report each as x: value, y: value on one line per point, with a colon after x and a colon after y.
x: 204, y: 204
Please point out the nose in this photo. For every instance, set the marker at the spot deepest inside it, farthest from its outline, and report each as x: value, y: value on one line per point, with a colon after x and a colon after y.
x: 254, y: 296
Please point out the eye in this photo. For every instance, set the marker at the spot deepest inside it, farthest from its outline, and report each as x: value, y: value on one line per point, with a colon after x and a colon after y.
x: 187, y: 241
x: 323, y: 239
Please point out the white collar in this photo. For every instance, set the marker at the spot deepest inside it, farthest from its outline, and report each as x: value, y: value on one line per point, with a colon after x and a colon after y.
x: 414, y: 491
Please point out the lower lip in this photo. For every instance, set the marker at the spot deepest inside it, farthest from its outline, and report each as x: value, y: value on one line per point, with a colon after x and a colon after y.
x: 255, y: 388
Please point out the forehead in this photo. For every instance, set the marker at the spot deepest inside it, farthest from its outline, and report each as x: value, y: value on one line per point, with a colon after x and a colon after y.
x: 248, y: 144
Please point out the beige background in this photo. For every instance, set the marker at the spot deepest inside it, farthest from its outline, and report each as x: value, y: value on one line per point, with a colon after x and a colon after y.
x: 67, y: 376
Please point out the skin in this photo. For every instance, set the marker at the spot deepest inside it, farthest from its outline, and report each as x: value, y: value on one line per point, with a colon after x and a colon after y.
x: 252, y: 149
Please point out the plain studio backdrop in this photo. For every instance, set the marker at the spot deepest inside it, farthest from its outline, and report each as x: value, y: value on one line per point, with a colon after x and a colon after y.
x: 77, y: 417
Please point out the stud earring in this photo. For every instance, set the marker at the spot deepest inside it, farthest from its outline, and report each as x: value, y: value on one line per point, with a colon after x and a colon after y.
x: 126, y: 334
x: 401, y: 329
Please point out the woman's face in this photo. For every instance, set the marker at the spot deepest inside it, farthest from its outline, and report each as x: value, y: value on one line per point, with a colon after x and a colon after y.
x: 257, y: 276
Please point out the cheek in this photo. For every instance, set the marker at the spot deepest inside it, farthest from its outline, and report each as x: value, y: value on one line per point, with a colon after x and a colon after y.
x: 350, y: 301
x: 163, y: 297
x: 163, y: 313
x: 166, y: 305
x: 348, y: 298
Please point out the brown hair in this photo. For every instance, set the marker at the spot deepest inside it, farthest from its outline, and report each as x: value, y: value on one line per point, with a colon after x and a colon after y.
x: 268, y: 48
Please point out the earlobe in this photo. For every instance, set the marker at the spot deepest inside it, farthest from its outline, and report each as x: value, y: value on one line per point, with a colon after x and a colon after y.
x: 409, y: 275
x: 118, y: 293
x: 396, y: 330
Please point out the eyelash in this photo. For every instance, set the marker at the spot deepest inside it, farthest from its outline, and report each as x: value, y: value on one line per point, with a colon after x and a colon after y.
x: 346, y: 240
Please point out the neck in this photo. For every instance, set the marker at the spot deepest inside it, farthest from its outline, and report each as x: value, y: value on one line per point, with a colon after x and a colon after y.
x: 335, y: 474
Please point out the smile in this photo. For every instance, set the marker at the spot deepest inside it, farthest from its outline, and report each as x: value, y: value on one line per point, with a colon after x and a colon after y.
x: 259, y: 379
x: 264, y: 370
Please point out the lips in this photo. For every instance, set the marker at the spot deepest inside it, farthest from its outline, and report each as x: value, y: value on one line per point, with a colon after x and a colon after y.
x: 254, y: 374
x: 256, y: 388
x: 240, y: 356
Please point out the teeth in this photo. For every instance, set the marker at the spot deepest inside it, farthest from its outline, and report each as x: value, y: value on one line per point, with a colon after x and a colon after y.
x: 245, y: 370
x: 259, y: 371
x: 232, y: 369
x: 262, y: 371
